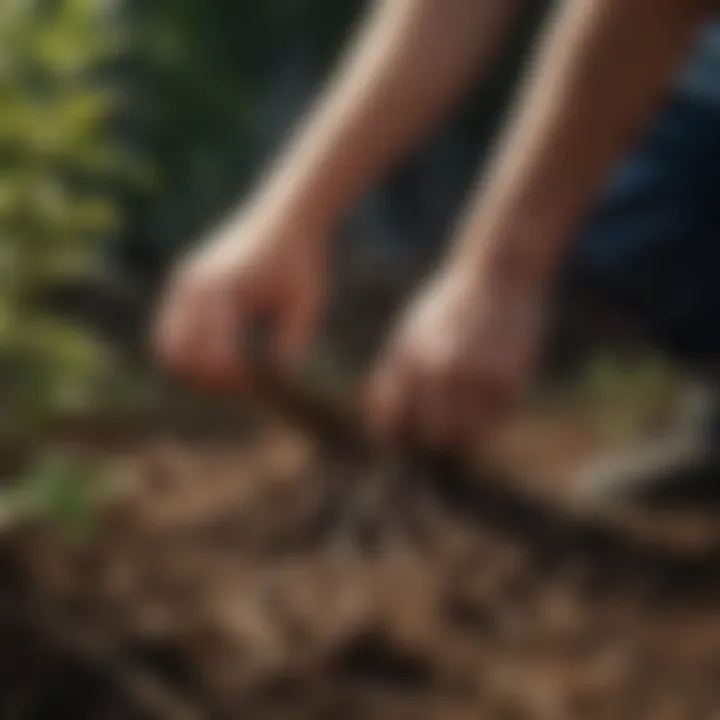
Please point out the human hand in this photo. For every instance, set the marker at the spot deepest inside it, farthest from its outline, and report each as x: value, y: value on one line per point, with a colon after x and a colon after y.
x: 261, y: 268
x: 458, y: 360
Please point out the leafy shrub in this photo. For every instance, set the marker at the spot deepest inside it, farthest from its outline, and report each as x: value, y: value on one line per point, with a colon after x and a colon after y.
x: 58, y: 163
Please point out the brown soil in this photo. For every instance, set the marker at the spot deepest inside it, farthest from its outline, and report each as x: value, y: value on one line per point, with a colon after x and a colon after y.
x: 270, y: 578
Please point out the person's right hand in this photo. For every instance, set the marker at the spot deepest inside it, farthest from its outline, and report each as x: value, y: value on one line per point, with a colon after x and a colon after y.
x: 248, y: 271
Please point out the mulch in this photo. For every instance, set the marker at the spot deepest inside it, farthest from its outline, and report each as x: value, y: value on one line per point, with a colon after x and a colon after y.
x: 272, y: 575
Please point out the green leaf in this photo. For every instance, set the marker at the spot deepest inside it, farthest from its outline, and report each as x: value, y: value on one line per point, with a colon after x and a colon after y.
x: 63, y: 490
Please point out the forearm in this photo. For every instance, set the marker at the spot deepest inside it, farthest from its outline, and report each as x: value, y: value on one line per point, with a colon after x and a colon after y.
x: 411, y: 60
x: 604, y: 69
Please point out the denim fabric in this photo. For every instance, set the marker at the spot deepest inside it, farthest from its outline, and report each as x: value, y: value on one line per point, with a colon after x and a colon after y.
x: 655, y: 234
x: 699, y: 77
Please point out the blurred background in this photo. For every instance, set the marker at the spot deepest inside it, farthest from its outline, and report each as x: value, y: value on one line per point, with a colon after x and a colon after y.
x: 129, y: 589
x: 129, y: 127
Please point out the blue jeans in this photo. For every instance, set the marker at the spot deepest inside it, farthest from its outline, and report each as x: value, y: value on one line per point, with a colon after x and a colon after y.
x: 654, y: 238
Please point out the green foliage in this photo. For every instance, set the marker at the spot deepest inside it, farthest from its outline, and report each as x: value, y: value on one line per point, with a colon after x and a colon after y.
x: 630, y: 397
x: 57, y: 165
x: 208, y: 79
x: 59, y: 490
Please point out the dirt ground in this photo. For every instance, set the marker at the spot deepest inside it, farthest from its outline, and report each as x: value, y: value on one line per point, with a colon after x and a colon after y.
x: 269, y: 576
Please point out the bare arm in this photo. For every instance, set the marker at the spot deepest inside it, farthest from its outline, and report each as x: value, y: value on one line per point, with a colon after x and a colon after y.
x: 410, y: 62
x: 462, y: 354
x: 604, y: 69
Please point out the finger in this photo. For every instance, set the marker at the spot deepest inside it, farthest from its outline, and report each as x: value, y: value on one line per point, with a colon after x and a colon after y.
x: 472, y: 412
x: 196, y: 337
x: 435, y: 416
x: 219, y: 361
x: 486, y: 398
x: 296, y: 323
x: 191, y: 331
x: 500, y: 387
x: 387, y: 410
x: 175, y: 317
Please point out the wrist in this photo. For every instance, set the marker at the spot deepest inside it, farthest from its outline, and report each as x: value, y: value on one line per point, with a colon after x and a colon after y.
x: 508, y: 258
x: 301, y: 200
x: 287, y: 222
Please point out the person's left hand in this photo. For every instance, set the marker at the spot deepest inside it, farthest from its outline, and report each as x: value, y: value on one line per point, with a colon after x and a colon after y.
x: 458, y: 360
